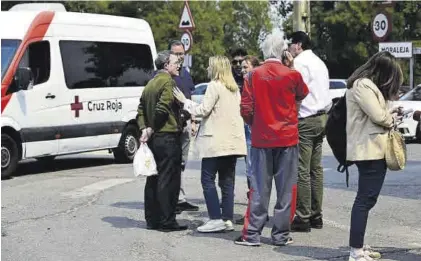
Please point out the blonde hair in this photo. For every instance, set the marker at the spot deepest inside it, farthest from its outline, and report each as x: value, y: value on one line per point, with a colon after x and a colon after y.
x: 220, y: 70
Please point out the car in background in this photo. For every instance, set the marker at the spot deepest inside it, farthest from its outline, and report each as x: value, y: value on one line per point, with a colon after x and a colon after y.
x: 199, y: 92
x: 337, y: 89
x: 410, y: 128
x: 403, y: 90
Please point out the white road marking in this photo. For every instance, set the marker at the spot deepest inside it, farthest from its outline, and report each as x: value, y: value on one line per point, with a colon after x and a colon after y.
x: 95, y: 188
x: 327, y: 169
x: 336, y: 224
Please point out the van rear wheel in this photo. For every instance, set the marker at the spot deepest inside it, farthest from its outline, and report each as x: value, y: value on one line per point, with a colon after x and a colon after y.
x: 128, y: 145
x: 9, y: 155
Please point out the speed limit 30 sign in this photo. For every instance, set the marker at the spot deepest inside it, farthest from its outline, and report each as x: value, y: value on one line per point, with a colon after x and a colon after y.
x: 381, y: 26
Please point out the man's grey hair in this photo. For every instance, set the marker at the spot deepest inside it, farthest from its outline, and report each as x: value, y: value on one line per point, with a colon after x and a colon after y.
x: 162, y: 58
x: 274, y: 45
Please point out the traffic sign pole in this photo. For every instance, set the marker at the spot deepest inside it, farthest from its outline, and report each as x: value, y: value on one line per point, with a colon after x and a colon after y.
x: 187, y: 25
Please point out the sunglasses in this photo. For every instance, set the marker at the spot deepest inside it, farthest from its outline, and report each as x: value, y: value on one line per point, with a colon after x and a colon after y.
x: 235, y: 62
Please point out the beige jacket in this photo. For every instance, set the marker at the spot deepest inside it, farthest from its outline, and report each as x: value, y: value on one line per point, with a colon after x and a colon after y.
x: 221, y: 132
x: 368, y: 122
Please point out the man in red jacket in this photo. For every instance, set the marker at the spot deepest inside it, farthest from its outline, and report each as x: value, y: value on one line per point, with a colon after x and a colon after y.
x: 270, y: 104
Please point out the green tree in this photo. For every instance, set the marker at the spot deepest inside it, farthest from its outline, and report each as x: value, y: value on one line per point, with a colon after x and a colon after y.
x: 342, y: 35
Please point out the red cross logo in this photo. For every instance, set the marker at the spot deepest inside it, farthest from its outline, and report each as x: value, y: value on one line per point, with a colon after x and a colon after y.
x: 76, y: 106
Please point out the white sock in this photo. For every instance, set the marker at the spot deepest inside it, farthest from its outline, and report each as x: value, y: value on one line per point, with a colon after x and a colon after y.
x: 355, y: 252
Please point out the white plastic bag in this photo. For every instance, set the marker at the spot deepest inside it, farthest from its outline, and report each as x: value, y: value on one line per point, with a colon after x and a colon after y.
x: 144, y: 163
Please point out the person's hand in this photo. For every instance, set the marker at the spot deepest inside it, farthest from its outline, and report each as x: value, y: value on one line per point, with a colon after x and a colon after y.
x: 397, y: 109
x: 179, y: 95
x: 288, y: 60
x: 146, y: 135
x: 193, y: 129
x: 397, y: 118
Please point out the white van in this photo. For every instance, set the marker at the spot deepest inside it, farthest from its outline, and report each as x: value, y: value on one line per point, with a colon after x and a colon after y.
x: 71, y: 83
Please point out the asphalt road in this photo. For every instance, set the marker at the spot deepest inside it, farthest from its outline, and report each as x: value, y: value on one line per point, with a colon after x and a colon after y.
x: 85, y: 207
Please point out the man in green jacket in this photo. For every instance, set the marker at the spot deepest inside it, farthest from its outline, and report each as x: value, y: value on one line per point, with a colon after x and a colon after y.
x: 160, y: 124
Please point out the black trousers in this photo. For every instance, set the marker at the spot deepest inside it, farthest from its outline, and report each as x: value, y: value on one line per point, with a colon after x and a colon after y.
x: 370, y: 181
x: 162, y: 190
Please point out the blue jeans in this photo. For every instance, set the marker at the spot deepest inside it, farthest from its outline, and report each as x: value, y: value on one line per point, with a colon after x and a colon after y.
x: 225, y: 167
x: 247, y: 158
x: 370, y: 182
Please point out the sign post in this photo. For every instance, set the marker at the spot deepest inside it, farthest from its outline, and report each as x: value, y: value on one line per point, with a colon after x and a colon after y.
x: 187, y: 25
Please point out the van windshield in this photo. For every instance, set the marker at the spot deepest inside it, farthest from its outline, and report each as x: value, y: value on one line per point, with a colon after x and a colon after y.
x: 8, y: 50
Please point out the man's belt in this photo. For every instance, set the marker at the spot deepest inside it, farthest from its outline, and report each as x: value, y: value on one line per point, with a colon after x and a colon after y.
x: 318, y: 113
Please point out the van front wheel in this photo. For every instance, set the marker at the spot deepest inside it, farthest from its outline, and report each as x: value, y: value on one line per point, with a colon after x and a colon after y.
x: 9, y: 155
x: 128, y: 145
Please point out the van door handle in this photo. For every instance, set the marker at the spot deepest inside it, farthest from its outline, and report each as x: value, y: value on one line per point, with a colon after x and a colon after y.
x: 50, y: 96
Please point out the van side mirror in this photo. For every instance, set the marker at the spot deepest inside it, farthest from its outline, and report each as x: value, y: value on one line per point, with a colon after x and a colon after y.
x: 24, y: 78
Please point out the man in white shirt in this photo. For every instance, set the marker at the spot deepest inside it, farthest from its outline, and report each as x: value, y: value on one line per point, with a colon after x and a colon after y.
x: 312, y: 120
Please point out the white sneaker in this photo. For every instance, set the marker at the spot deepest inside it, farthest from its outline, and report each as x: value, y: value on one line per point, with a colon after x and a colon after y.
x: 229, y: 226
x: 363, y: 257
x: 213, y: 225
x: 368, y: 251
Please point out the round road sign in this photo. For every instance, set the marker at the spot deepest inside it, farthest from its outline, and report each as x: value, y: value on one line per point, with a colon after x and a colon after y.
x: 187, y: 40
x: 381, y: 26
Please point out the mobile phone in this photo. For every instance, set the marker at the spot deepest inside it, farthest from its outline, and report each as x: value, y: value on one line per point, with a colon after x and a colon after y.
x: 407, y: 112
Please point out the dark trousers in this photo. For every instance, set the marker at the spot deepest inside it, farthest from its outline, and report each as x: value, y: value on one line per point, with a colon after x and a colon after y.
x: 310, y: 170
x: 370, y: 182
x: 247, y: 158
x: 225, y: 167
x: 162, y: 190
x: 268, y: 165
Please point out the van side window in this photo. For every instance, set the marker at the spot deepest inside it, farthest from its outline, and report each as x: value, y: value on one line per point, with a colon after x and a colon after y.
x: 105, y: 64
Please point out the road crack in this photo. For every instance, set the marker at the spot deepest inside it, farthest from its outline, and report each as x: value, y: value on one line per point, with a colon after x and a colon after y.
x: 67, y: 211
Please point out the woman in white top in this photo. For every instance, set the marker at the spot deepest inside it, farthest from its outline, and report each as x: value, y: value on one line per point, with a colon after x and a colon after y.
x: 220, y: 141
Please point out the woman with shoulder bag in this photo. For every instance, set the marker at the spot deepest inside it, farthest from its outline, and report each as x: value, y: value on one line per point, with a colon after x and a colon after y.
x: 220, y: 141
x: 369, y: 121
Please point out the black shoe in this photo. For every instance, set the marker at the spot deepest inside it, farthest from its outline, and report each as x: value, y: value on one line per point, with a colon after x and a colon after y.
x: 240, y: 241
x: 298, y: 225
x: 316, y: 223
x: 152, y: 226
x: 173, y: 227
x: 186, y: 206
x: 178, y: 210
x: 239, y: 221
